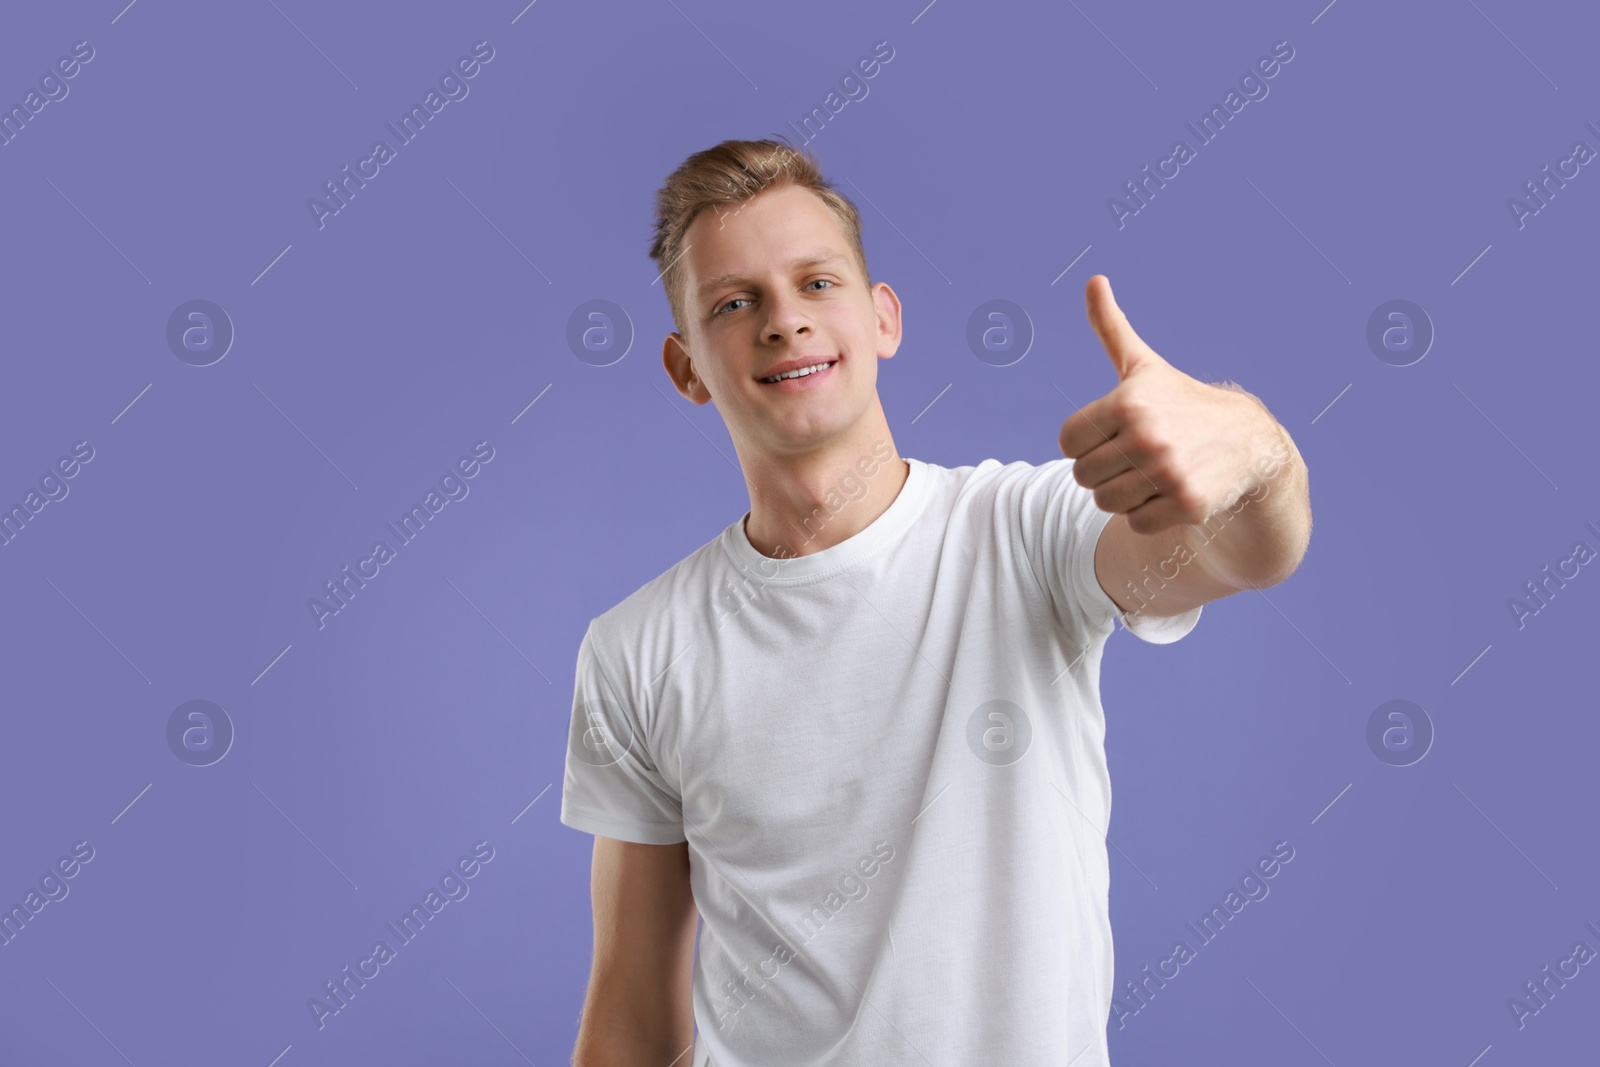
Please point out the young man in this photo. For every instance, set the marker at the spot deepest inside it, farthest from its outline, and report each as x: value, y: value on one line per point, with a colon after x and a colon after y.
x: 859, y: 733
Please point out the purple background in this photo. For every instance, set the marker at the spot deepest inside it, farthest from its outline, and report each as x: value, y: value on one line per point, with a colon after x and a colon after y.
x: 432, y: 311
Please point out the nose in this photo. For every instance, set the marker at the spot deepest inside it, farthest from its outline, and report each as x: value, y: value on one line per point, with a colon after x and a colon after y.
x: 786, y: 318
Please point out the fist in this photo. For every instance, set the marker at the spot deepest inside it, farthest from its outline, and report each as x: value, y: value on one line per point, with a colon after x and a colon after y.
x: 1162, y: 448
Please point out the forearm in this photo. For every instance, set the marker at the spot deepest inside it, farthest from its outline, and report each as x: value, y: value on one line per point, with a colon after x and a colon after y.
x: 615, y: 1042
x: 1260, y: 534
x: 642, y: 1015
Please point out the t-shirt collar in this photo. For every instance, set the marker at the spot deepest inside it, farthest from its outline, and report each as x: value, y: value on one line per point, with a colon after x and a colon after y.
x: 859, y: 546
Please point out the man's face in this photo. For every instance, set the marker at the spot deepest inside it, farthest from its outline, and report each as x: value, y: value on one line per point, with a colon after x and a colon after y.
x: 770, y: 281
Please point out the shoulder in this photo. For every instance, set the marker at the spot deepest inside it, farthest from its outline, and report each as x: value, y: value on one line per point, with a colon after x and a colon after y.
x: 669, y: 596
x: 994, y: 495
x: 1015, y: 485
x: 994, y: 473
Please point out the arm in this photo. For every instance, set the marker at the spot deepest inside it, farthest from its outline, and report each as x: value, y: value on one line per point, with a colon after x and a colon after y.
x: 638, y: 1009
x: 1208, y: 493
x: 1254, y: 538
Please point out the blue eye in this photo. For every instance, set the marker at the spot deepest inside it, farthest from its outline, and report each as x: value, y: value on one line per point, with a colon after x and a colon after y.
x: 737, y: 299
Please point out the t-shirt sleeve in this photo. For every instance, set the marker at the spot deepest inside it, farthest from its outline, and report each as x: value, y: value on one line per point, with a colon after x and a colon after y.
x: 612, y: 786
x: 1059, y: 525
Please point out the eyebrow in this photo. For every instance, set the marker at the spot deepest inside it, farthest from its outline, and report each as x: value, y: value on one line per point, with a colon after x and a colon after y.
x: 814, y: 258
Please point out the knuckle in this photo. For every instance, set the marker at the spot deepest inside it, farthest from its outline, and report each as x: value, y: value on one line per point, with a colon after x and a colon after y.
x: 1161, y: 450
x: 1163, y: 467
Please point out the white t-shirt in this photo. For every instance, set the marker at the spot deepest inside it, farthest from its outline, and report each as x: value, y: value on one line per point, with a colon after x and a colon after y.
x: 887, y: 759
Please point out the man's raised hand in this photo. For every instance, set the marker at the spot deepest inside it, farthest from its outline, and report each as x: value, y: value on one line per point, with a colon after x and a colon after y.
x: 1161, y: 447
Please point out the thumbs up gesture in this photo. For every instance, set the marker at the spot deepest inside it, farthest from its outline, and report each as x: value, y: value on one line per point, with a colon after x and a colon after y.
x: 1161, y: 447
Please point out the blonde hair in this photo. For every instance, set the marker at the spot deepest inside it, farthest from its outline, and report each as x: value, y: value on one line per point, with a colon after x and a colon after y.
x: 732, y: 173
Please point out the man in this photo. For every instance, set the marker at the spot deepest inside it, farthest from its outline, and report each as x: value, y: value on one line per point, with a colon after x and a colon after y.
x: 859, y: 733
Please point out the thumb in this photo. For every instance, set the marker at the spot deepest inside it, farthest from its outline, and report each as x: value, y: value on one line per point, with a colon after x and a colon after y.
x: 1127, y: 350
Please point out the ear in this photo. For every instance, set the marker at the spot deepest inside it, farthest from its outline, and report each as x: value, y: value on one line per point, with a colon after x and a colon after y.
x: 886, y: 306
x: 680, y: 368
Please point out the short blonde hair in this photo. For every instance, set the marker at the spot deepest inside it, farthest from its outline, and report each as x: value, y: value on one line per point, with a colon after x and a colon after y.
x: 732, y: 173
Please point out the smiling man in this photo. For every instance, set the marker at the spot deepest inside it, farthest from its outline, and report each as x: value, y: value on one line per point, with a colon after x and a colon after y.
x: 880, y: 686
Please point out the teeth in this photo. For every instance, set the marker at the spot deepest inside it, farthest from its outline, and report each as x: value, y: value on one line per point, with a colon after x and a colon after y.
x: 801, y: 373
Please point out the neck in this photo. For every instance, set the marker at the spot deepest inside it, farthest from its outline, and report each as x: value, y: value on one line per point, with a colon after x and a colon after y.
x: 804, y: 503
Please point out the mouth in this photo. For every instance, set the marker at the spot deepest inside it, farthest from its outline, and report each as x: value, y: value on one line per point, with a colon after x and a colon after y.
x: 805, y: 378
